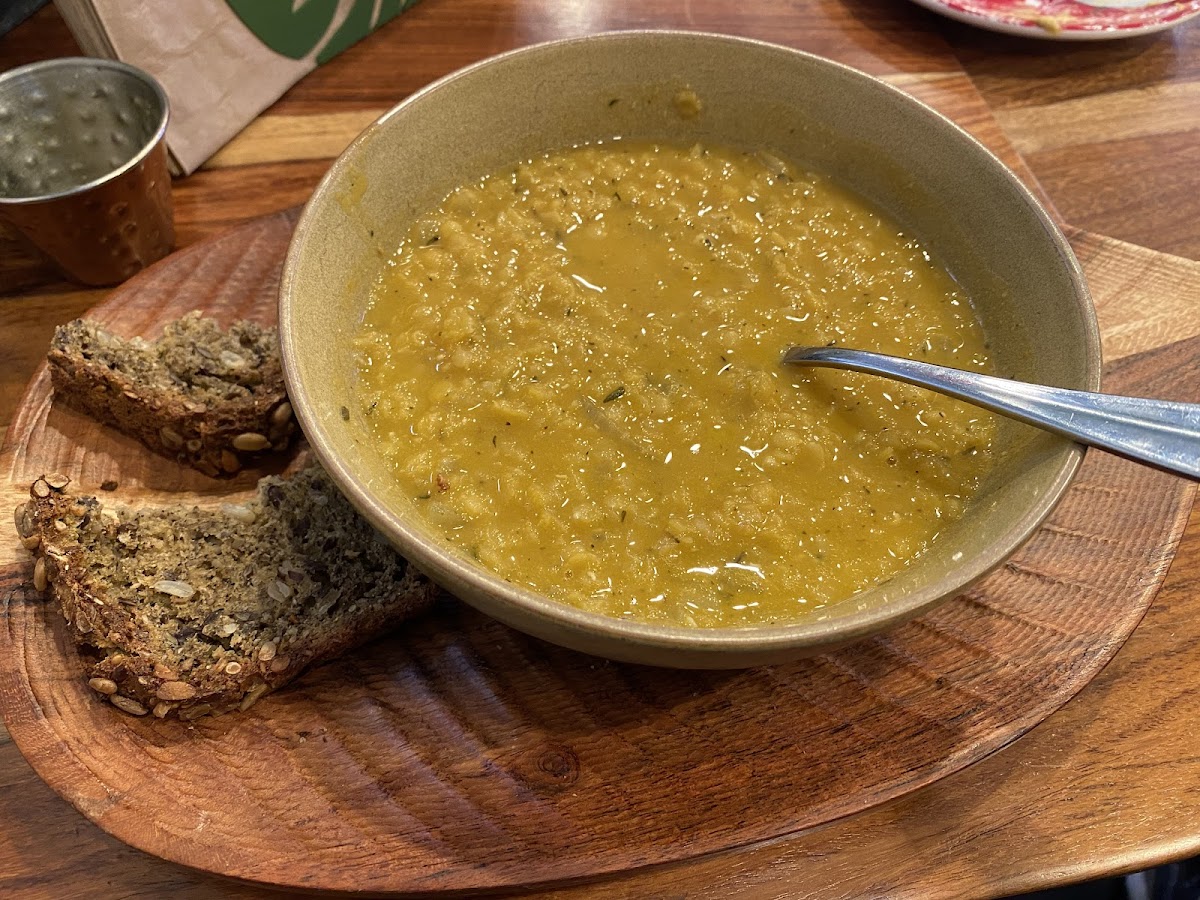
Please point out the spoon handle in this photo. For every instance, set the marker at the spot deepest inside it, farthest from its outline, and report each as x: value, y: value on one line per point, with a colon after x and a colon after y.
x: 1159, y: 432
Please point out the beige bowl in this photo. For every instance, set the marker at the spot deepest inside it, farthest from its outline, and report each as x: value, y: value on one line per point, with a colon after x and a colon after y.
x: 937, y: 180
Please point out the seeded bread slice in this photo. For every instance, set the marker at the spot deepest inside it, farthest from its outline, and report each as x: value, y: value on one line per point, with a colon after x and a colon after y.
x: 184, y: 611
x: 209, y: 398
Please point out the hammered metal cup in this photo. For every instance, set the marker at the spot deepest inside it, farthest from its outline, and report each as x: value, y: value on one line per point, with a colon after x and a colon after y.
x: 83, y: 165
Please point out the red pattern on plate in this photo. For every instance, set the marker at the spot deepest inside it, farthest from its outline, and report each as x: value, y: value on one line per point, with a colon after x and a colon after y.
x: 1050, y: 18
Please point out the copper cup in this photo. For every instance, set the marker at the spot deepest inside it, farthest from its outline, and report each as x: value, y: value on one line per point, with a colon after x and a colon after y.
x: 83, y: 165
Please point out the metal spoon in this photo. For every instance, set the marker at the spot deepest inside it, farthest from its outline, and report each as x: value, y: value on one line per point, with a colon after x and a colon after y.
x: 1158, y: 432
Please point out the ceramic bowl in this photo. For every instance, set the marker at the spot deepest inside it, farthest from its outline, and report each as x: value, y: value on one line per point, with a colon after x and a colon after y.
x: 941, y: 184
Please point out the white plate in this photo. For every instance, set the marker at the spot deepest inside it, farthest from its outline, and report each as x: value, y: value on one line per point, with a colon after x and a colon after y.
x: 1069, y: 20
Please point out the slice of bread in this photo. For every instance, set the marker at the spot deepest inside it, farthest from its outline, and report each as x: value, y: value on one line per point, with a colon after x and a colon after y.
x: 185, y: 611
x: 207, y: 397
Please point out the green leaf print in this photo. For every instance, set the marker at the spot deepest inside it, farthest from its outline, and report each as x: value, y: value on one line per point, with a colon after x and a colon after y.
x: 291, y: 32
x: 360, y: 23
x: 295, y: 29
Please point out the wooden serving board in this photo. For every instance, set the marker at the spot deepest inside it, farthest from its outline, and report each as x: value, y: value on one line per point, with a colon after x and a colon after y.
x: 459, y: 754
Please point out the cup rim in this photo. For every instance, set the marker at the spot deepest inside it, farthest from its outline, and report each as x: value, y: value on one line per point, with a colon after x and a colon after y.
x: 148, y: 146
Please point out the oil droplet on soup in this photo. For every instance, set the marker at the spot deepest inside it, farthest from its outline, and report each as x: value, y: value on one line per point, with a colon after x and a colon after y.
x: 573, y: 368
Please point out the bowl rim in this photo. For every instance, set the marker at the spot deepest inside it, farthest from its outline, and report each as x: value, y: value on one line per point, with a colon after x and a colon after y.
x: 526, y: 606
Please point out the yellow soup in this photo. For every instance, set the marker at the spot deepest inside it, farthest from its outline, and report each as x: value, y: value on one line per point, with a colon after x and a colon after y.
x: 573, y: 367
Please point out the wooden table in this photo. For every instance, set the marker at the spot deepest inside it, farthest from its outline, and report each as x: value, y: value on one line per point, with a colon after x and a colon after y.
x: 1111, y: 131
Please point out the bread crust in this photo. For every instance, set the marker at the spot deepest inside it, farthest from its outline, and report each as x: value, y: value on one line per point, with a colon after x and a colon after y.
x: 210, y: 398
x: 291, y: 578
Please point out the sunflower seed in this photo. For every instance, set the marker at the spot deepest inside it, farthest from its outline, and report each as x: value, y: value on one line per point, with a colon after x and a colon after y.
x: 57, y: 481
x: 180, y: 589
x: 289, y: 571
x: 240, y: 512
x: 39, y: 574
x: 281, y: 415
x: 251, y: 442
x: 128, y: 704
x: 103, y: 685
x: 171, y: 438
x: 278, y: 591
x: 195, y: 712
x: 23, y: 519
x: 175, y: 690
x: 40, y: 489
x: 252, y: 696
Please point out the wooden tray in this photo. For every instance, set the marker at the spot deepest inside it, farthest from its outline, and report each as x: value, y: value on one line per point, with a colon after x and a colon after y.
x: 459, y: 754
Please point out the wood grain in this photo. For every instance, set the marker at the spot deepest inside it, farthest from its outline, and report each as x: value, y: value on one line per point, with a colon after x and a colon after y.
x: 463, y: 755
x: 1143, y: 299
x: 1111, y: 128
x: 1110, y: 183
x: 1169, y: 109
x: 436, y: 37
x: 27, y: 331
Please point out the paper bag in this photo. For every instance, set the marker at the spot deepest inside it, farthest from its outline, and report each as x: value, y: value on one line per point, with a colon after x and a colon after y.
x: 222, y: 62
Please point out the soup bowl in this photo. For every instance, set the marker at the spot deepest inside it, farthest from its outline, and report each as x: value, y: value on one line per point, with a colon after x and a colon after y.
x: 937, y: 181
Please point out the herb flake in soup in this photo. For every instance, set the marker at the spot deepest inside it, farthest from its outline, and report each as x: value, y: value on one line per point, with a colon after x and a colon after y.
x: 573, y: 367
